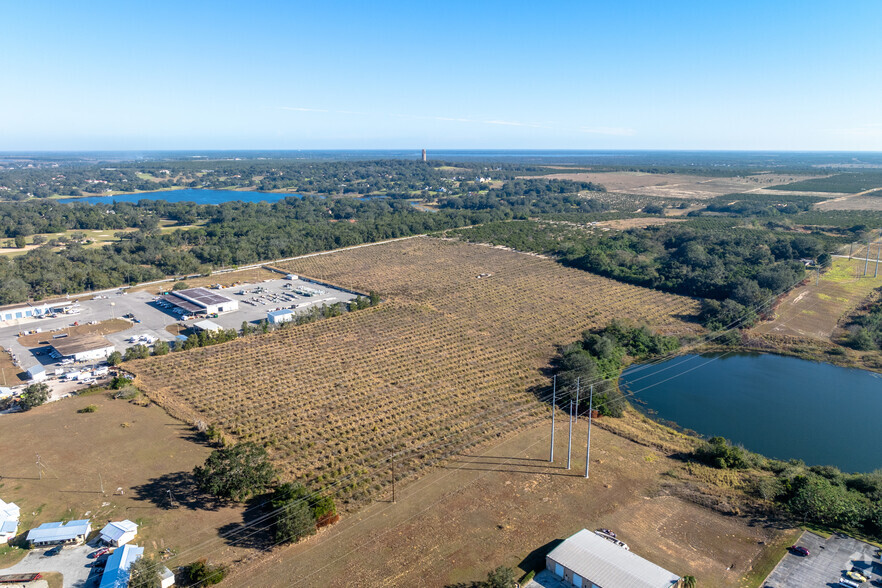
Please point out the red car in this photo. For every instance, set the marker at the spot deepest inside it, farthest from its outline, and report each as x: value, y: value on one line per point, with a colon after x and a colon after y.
x: 100, y: 552
x: 799, y: 549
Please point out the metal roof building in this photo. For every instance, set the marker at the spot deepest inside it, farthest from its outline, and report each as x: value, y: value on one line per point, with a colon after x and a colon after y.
x: 280, y: 316
x: 55, y: 533
x: 119, y: 533
x: 587, y: 560
x: 207, y: 326
x: 200, y: 301
x: 116, y: 571
x: 84, y: 347
x: 36, y: 373
x: 9, y: 513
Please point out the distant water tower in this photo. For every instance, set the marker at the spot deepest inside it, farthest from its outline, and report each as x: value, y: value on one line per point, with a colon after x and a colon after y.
x: 424, y: 155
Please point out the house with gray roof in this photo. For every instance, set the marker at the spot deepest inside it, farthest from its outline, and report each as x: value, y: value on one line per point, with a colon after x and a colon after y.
x: 587, y: 560
x: 9, y: 513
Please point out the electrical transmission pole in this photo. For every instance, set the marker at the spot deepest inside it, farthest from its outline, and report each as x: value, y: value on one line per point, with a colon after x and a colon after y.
x: 867, y: 260
x: 876, y: 271
x: 570, y: 441
x: 553, y: 406
x: 576, y: 414
x: 590, y: 416
x: 393, y: 478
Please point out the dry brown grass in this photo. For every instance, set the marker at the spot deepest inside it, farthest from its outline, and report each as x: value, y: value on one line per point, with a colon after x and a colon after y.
x: 447, y: 361
x: 102, y: 328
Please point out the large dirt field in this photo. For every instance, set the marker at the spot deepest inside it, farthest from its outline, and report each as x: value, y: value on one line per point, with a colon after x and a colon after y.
x: 447, y: 360
x: 138, y: 449
x: 677, y: 185
x: 814, y: 310
x: 507, y: 505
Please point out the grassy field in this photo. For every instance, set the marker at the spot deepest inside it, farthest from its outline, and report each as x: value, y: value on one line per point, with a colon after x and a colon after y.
x: 815, y: 310
x: 9, y: 372
x: 505, y: 504
x: 140, y: 450
x: 226, y: 279
x: 448, y: 360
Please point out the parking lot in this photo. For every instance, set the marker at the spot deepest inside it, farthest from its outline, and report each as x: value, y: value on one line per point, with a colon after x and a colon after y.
x: 151, y: 319
x: 73, y: 563
x: 828, y: 560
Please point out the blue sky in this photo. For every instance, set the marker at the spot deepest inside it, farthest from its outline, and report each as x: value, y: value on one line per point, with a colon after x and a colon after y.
x: 479, y: 74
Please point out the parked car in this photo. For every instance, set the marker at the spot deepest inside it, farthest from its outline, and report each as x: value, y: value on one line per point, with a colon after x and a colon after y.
x: 799, y: 550
x: 856, y: 575
x: 99, y: 553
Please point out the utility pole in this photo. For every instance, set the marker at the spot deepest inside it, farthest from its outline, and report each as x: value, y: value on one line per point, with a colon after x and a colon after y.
x: 850, y: 249
x: 576, y: 415
x: 876, y: 271
x: 553, y: 406
x: 101, y: 481
x: 867, y: 260
x: 570, y: 441
x: 590, y: 416
x: 393, y: 478
x: 39, y: 466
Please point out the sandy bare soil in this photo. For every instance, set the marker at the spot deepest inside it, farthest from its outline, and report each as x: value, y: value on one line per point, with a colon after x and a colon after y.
x: 507, y: 505
x: 678, y: 185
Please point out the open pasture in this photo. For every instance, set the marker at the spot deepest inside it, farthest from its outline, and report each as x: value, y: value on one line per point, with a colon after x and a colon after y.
x: 676, y: 185
x: 448, y: 360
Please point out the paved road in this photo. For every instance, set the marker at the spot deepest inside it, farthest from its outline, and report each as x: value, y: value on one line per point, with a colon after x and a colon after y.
x: 73, y: 564
x: 829, y: 559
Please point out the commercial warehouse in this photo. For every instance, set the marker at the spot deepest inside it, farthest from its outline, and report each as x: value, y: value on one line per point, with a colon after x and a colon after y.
x: 83, y: 347
x: 199, y: 301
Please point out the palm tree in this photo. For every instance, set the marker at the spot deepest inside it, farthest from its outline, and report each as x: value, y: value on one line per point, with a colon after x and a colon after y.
x: 688, y: 582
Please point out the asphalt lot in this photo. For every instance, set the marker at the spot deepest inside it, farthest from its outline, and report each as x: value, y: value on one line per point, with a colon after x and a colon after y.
x: 828, y: 560
x: 253, y: 306
x: 73, y: 563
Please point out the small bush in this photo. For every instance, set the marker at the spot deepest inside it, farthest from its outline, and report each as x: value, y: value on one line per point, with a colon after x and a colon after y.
x: 90, y: 408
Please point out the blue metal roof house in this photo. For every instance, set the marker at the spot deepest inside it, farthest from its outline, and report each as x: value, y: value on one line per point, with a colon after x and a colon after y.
x: 116, y: 572
x: 60, y: 533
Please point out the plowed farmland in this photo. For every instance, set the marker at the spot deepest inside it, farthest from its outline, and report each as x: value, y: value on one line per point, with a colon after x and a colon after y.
x: 452, y: 357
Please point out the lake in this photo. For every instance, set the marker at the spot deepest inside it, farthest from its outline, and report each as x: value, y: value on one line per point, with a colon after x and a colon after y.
x: 781, y: 407
x: 187, y: 195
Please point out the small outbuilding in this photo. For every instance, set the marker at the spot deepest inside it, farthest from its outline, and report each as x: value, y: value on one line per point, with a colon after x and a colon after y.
x: 9, y: 514
x: 275, y: 317
x: 116, y: 571
x: 207, y: 326
x: 73, y: 532
x: 36, y: 373
x: 166, y: 578
x: 119, y: 533
x: 587, y: 560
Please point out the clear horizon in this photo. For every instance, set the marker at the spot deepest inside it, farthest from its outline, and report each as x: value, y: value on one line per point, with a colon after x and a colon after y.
x: 102, y: 76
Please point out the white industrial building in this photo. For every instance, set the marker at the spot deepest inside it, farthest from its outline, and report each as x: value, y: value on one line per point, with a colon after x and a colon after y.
x: 9, y: 315
x: 587, y: 560
x: 207, y: 326
x: 83, y: 347
x: 9, y: 514
x: 36, y: 373
x: 60, y: 533
x: 200, y: 301
x: 274, y: 317
x: 119, y: 533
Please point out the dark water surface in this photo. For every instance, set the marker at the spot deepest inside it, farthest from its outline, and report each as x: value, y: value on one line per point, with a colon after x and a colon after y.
x: 781, y: 407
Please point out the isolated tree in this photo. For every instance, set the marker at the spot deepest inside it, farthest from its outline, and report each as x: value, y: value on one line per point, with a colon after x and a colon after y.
x: 825, y: 260
x: 688, y: 582
x: 115, y: 358
x: 294, y: 521
x: 201, y: 573
x: 34, y: 395
x: 180, y: 286
x: 235, y: 472
x: 137, y: 352
x: 501, y: 577
x: 160, y: 348
x: 20, y: 241
x: 144, y: 573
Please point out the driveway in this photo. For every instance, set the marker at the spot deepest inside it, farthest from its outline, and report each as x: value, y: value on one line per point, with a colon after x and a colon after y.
x: 72, y: 563
x: 829, y: 559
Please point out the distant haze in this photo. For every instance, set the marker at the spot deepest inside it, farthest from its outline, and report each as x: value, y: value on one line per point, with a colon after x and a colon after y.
x: 459, y: 75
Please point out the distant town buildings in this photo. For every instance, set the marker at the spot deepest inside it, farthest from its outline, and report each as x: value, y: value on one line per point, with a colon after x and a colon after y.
x: 424, y: 155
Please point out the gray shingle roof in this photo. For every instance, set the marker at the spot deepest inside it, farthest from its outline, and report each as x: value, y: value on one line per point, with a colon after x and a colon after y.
x: 608, y: 565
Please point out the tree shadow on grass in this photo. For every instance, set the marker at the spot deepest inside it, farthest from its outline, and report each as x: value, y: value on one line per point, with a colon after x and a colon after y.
x: 256, y: 529
x: 177, y: 490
